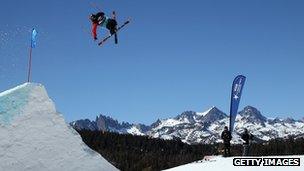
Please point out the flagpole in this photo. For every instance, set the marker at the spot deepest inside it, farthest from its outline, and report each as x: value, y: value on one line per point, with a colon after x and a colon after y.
x: 30, y: 65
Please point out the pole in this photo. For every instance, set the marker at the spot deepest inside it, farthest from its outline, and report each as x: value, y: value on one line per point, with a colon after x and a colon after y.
x: 30, y: 66
x: 115, y: 34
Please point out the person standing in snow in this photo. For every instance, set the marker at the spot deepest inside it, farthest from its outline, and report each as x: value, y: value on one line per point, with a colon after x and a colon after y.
x: 246, y: 137
x: 226, y: 137
x: 100, y: 19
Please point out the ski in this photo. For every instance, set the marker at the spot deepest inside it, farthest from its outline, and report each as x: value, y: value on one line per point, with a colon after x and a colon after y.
x: 109, y: 36
x: 115, y: 35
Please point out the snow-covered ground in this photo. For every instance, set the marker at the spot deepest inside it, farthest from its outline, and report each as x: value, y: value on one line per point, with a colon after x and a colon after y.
x: 217, y: 163
x: 34, y: 136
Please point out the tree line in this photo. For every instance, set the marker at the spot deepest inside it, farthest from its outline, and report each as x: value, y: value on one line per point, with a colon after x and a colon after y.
x: 131, y: 152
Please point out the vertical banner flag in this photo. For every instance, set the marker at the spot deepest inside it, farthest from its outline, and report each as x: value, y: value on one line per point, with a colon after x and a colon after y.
x: 236, y: 93
x: 33, y: 45
x: 33, y: 40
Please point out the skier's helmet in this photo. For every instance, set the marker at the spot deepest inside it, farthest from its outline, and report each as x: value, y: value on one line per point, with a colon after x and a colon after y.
x: 93, y: 18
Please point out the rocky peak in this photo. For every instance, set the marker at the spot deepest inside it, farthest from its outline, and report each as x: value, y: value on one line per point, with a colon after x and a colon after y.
x: 253, y: 115
x: 289, y: 120
x: 213, y: 114
x: 189, y: 115
x: 156, y: 124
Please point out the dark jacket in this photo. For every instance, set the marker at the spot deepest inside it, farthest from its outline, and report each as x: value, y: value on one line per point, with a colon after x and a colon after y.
x: 101, y: 20
x: 246, y: 137
x: 97, y: 19
x: 226, y: 136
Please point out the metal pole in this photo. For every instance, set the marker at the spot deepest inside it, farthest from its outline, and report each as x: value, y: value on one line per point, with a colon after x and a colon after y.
x: 30, y: 66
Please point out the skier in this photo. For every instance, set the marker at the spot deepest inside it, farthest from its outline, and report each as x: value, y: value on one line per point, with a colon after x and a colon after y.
x: 246, y: 137
x: 100, y: 19
x: 226, y: 136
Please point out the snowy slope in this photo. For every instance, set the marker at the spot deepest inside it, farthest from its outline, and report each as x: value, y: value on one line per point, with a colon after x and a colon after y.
x: 219, y: 164
x: 34, y: 136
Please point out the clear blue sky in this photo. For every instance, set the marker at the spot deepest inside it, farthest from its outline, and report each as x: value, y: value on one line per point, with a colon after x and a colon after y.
x: 174, y: 56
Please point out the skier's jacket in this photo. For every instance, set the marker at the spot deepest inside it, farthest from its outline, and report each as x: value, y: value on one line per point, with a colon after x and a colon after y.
x: 246, y: 137
x: 98, y: 19
x: 226, y: 136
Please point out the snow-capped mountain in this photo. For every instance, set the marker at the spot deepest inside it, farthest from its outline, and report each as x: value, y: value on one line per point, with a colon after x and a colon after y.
x: 34, y: 136
x: 106, y: 123
x: 202, y: 127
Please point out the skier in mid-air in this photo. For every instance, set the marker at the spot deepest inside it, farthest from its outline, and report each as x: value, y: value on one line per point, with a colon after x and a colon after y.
x: 100, y: 19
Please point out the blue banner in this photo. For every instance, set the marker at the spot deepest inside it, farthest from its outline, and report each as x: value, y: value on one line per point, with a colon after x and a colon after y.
x: 33, y: 39
x: 236, y: 93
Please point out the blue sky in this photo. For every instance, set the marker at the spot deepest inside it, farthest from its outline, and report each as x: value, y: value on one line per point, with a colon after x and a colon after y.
x: 174, y: 56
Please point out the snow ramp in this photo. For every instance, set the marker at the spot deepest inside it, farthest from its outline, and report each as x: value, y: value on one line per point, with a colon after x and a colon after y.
x: 34, y: 136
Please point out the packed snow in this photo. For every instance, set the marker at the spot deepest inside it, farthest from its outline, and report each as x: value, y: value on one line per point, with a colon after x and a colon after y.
x: 34, y: 136
x: 217, y: 163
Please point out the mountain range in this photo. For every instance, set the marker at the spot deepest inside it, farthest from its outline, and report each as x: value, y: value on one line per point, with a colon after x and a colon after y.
x: 201, y: 127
